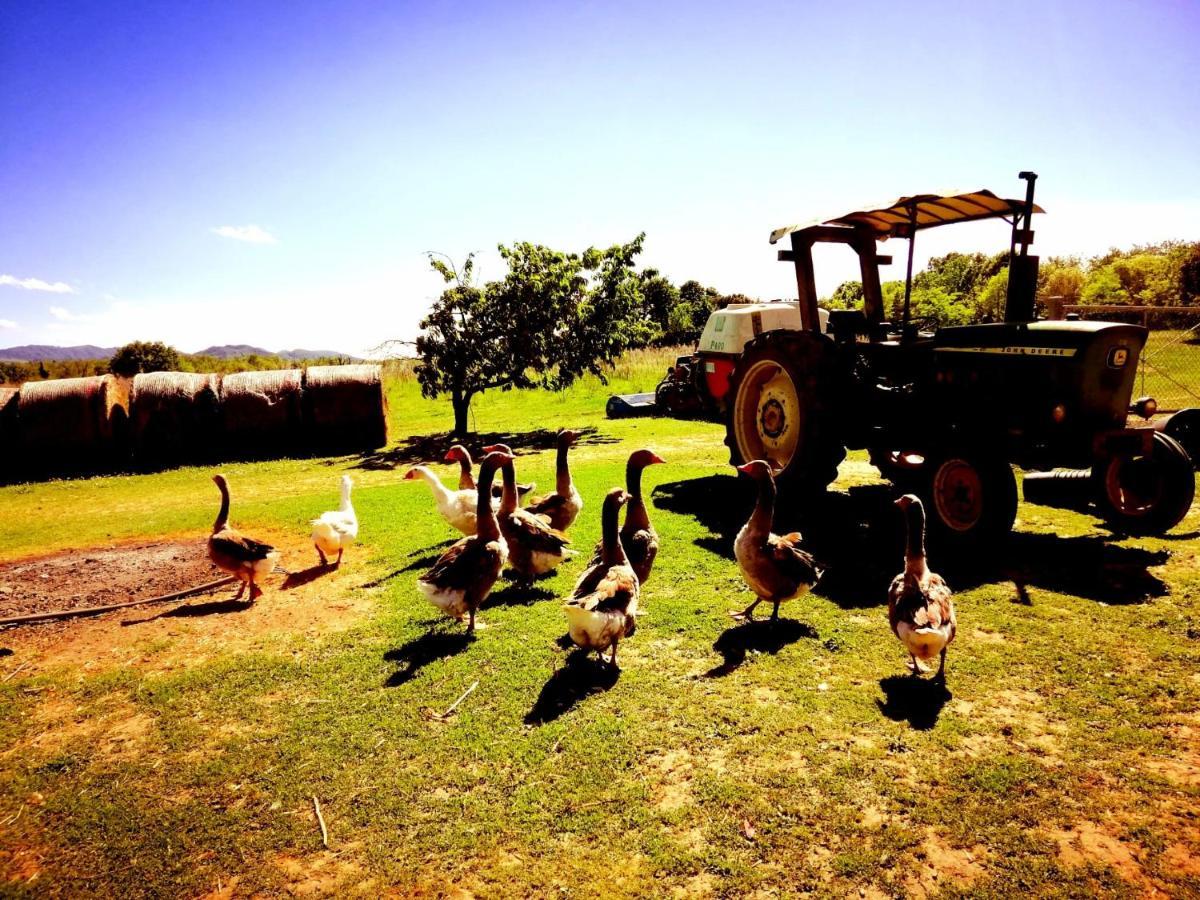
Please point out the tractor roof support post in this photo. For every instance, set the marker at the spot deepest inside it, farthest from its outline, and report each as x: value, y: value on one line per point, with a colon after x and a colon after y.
x: 912, y: 240
x: 806, y: 282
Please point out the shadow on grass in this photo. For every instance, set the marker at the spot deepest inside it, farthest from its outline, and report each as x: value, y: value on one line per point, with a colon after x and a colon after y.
x: 758, y: 636
x: 422, y: 558
x: 420, y: 652
x: 517, y: 594
x: 858, y: 535
x: 918, y: 701
x: 581, y: 676
x: 195, y: 610
x: 425, y: 448
x: 305, y: 576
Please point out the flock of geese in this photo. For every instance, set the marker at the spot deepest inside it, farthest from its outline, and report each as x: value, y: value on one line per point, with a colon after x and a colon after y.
x: 603, y: 607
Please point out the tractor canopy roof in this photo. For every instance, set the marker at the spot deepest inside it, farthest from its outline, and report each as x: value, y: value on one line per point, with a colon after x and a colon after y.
x: 909, y: 214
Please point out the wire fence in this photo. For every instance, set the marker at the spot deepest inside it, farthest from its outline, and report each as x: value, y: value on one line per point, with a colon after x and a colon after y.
x: 1169, y: 368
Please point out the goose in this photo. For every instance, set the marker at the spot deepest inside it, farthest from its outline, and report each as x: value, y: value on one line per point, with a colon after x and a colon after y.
x: 335, y: 531
x: 564, y: 505
x: 774, y: 566
x: 242, y: 557
x: 920, y: 604
x: 464, y: 575
x: 456, y: 507
x: 534, y: 547
x: 466, y: 481
x: 638, y: 536
x: 604, y: 605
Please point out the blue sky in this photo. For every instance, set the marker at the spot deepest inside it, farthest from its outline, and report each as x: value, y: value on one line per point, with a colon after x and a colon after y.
x: 273, y: 173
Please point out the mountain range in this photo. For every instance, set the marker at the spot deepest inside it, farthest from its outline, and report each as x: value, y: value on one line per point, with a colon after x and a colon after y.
x: 49, y: 353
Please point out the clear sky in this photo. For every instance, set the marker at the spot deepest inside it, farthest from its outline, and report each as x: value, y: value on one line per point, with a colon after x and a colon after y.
x: 272, y: 173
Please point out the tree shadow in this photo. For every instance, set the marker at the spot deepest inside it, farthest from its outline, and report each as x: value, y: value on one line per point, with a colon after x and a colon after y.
x: 918, y: 701
x: 517, y: 594
x: 195, y: 610
x: 420, y: 448
x: 421, y: 651
x: 758, y: 636
x: 306, y: 576
x: 581, y: 676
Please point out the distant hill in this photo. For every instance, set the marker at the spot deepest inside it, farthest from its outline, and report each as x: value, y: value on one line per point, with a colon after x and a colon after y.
x: 47, y: 353
x: 231, y: 351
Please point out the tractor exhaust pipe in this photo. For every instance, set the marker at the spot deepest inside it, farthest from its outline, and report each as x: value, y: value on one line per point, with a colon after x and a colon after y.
x: 1022, y: 268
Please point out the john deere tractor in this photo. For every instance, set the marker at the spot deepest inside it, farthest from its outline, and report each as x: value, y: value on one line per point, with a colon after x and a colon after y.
x: 948, y: 412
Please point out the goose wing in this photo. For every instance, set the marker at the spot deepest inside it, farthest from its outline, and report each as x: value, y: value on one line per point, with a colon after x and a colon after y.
x: 238, y: 546
x: 793, y: 562
x: 459, y: 566
x: 536, y: 533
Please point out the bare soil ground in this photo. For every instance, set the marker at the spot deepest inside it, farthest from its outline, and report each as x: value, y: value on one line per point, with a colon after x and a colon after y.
x: 310, y: 601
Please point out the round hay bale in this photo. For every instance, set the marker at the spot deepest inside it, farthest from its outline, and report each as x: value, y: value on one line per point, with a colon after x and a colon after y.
x: 261, y: 412
x: 71, y: 425
x: 9, y: 436
x: 175, y: 417
x: 345, y: 407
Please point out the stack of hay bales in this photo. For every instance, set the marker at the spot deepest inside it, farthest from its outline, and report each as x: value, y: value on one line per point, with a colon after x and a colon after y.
x: 262, y: 413
x: 9, y: 436
x: 175, y: 417
x: 74, y: 424
x: 345, y: 408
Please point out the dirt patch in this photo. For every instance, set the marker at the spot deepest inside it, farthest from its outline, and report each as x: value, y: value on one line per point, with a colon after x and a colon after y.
x: 1088, y: 842
x: 102, y: 576
x: 310, y: 602
x: 324, y: 874
x: 942, y: 866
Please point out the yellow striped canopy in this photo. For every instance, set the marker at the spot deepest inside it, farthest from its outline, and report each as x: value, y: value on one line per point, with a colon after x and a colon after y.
x: 930, y: 210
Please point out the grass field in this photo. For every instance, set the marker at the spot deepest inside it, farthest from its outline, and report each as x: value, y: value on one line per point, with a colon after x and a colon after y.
x: 179, y: 756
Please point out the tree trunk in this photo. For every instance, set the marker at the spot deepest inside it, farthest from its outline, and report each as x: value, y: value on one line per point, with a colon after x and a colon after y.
x: 462, y: 407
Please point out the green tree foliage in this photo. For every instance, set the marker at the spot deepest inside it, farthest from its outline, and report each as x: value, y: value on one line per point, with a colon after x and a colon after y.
x: 1189, y: 276
x: 1061, y: 277
x: 687, y: 317
x: 993, y: 298
x: 553, y: 317
x: 847, y: 295
x: 660, y: 297
x: 143, y: 356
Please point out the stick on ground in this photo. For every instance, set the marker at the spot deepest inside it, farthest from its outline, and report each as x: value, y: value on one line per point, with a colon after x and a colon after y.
x: 97, y: 610
x: 321, y: 822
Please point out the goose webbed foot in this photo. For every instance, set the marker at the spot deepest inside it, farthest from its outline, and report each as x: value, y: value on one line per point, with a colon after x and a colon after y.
x: 747, y: 614
x: 916, y: 667
x: 321, y: 553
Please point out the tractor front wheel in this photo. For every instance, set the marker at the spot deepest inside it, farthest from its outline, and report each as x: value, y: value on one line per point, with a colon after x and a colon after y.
x: 782, y: 409
x: 1146, y: 493
x: 970, y: 498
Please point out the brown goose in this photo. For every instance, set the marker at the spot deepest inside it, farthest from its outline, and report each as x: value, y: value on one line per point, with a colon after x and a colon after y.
x: 242, y: 557
x: 564, y: 505
x: 466, y: 481
x: 604, y: 605
x: 920, y: 604
x: 774, y: 566
x: 464, y: 575
x: 533, y: 546
x: 638, y: 536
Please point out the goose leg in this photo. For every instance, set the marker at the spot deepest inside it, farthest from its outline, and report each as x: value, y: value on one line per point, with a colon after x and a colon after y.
x: 613, y: 661
x: 940, y: 677
x: 917, y: 666
x: 471, y: 621
x: 255, y: 592
x: 321, y: 553
x: 338, y: 562
x: 241, y: 590
x: 775, y: 612
x: 747, y: 613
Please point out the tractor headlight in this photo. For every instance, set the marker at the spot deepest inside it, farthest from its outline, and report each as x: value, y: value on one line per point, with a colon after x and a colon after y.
x: 1059, y: 414
x: 1145, y: 407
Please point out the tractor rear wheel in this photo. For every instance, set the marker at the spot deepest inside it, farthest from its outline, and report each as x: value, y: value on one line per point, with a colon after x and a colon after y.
x: 970, y: 498
x: 782, y: 408
x: 1146, y: 493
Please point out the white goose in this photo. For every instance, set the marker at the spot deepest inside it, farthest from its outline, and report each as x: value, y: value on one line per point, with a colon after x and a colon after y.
x: 335, y: 531
x: 456, y: 507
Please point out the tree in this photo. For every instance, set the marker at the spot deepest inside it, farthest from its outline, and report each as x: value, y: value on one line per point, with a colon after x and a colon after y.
x: 993, y: 299
x: 143, y: 356
x: 660, y: 298
x: 688, y: 316
x: 553, y: 317
x: 1189, y: 275
x: 847, y: 295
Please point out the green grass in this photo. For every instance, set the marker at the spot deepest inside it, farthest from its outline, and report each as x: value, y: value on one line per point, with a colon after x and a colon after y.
x: 800, y: 769
x: 1170, y: 372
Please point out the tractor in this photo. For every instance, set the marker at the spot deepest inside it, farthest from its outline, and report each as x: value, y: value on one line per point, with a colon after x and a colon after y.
x: 945, y: 413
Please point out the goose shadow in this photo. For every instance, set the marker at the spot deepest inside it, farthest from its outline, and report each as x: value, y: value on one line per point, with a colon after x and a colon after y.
x: 758, y: 636
x: 581, y: 676
x: 195, y: 610
x: 426, y: 447
x: 421, y: 558
x: 306, y: 576
x: 517, y: 594
x: 421, y: 651
x: 918, y: 701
